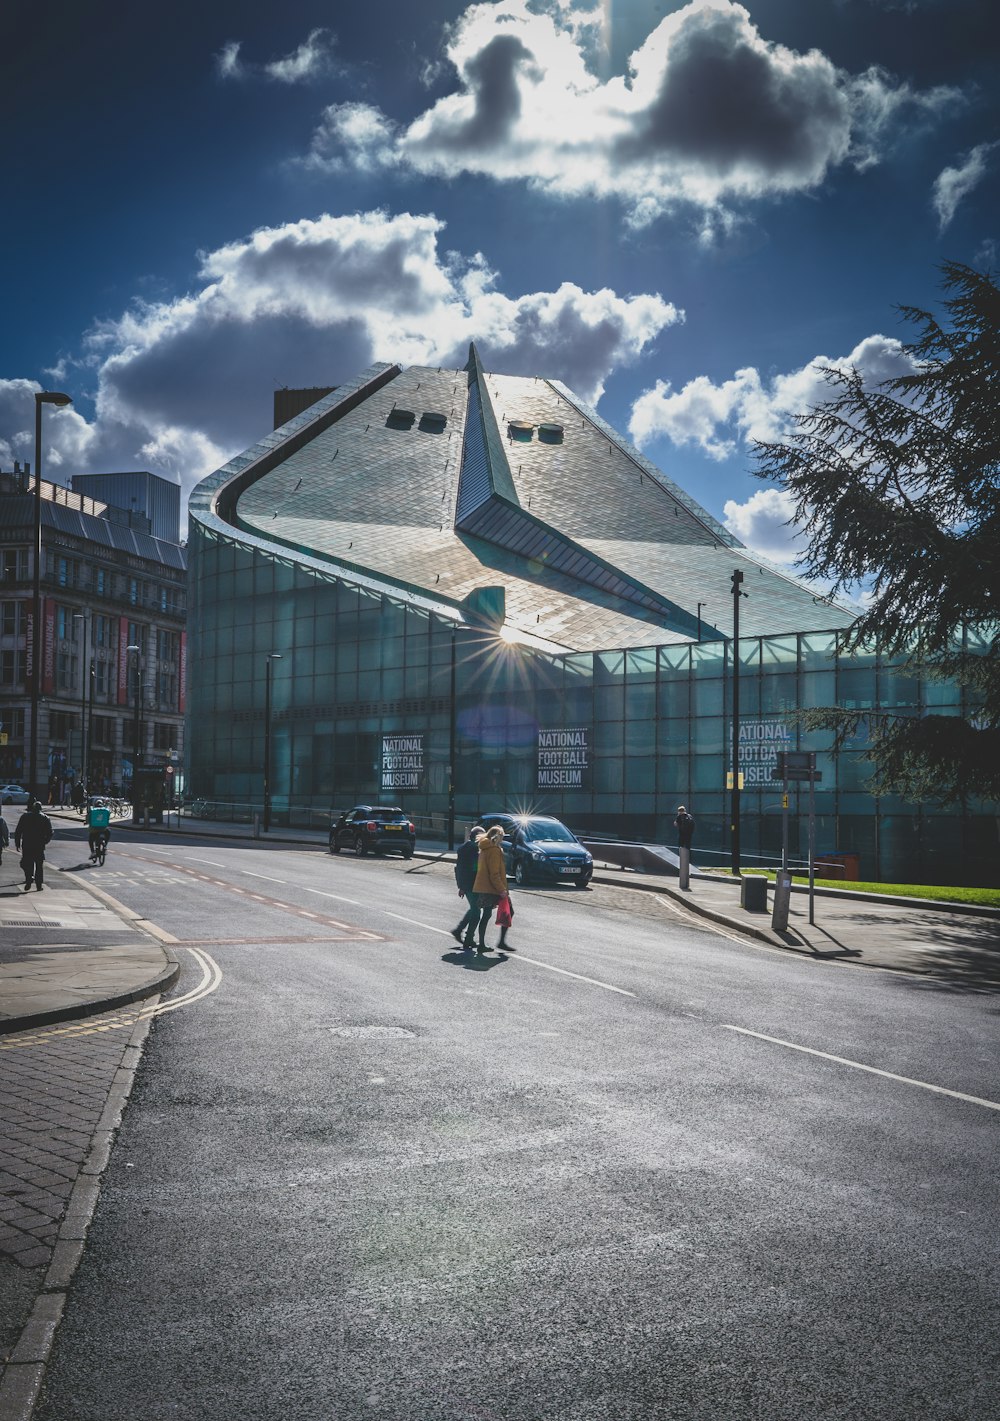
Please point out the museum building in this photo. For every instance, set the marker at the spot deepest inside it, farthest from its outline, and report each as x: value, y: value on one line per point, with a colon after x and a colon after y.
x: 463, y: 591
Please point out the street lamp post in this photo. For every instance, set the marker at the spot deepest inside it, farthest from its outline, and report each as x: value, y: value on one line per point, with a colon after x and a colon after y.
x: 737, y: 579
x: 84, y: 776
x: 272, y: 656
x: 136, y: 752
x: 452, y: 745
x: 42, y: 397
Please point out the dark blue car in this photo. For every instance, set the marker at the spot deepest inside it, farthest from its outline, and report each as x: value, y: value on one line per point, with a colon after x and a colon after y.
x: 540, y: 849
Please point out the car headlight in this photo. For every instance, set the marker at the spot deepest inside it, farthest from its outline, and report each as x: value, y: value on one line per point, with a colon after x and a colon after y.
x: 539, y: 855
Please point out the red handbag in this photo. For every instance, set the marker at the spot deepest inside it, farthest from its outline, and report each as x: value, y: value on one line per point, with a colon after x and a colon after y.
x: 505, y: 913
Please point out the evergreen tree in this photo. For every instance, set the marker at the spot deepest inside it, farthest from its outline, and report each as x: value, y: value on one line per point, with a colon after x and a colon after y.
x: 897, y: 486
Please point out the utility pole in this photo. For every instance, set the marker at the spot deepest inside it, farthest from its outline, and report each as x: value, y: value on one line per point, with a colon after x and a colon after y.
x: 737, y: 579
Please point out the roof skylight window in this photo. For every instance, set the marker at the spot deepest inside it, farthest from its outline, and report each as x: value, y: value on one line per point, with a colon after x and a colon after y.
x: 550, y: 433
x: 431, y: 422
x: 400, y: 419
x: 520, y: 430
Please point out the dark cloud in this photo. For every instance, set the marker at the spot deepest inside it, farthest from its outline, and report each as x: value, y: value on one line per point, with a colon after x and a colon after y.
x: 728, y: 101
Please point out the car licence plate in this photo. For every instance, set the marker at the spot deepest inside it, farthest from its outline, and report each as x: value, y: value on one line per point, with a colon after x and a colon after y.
x: 569, y: 870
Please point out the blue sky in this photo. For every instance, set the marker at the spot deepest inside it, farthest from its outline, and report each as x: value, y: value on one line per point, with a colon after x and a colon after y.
x: 682, y: 211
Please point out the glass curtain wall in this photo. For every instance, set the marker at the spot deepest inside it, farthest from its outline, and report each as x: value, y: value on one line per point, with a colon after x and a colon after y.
x: 609, y: 741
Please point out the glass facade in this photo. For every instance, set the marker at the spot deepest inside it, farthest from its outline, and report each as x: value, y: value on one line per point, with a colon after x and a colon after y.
x: 610, y: 741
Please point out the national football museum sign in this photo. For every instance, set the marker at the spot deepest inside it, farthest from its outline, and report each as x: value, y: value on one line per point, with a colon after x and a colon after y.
x: 563, y: 759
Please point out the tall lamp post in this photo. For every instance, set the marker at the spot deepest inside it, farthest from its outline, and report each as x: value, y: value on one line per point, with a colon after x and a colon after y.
x: 84, y: 776
x: 136, y: 751
x: 272, y: 656
x: 737, y: 579
x: 42, y: 397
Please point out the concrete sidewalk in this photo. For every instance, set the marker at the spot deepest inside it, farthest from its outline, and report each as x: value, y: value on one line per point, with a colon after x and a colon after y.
x: 104, y: 957
x: 108, y: 956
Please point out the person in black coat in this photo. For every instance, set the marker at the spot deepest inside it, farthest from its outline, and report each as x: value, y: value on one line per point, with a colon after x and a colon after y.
x: 466, y: 867
x: 33, y: 832
x: 684, y: 824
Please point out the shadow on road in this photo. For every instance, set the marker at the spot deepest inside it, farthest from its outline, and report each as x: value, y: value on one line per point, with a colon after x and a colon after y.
x: 472, y: 961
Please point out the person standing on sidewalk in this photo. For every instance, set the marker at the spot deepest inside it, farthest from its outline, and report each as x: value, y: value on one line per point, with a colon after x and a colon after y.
x: 4, y: 835
x: 466, y: 867
x: 33, y: 832
x: 491, y: 880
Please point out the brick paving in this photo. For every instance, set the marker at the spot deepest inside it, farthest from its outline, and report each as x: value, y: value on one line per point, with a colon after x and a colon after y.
x: 54, y: 1085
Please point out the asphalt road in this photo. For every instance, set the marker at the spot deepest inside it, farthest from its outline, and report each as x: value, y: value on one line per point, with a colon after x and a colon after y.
x: 362, y: 1175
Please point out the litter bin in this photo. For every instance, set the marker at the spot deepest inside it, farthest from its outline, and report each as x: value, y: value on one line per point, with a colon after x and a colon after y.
x: 753, y: 894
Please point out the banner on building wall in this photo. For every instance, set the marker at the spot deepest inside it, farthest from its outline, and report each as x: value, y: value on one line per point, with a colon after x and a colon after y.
x: 760, y: 743
x: 29, y: 650
x: 563, y: 758
x: 402, y: 761
x: 122, y: 661
x: 182, y: 684
x: 48, y: 647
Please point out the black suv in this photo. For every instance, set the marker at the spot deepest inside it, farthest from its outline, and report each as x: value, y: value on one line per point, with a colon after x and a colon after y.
x: 538, y: 849
x: 377, y: 827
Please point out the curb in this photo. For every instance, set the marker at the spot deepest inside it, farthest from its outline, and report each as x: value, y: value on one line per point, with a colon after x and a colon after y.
x: 162, y: 982
x: 25, y: 1370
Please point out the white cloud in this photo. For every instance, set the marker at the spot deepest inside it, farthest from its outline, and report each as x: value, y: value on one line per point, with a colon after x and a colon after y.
x: 227, y: 62
x: 709, y: 111
x: 763, y: 524
x: 309, y: 60
x: 953, y: 184
x: 352, y: 135
x: 67, y: 438
x: 718, y: 418
x: 183, y: 384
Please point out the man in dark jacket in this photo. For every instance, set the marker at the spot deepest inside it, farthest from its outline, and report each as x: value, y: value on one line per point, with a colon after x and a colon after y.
x: 33, y: 832
x: 466, y: 868
x: 684, y: 824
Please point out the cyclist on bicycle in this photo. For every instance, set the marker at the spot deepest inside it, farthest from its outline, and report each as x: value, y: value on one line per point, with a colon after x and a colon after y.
x: 98, y: 820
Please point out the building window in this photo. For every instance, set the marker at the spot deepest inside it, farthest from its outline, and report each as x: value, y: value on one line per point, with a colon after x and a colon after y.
x: 101, y: 679
x: 164, y: 736
x: 166, y: 689
x: 101, y: 631
x: 133, y: 591
x: 101, y: 582
x: 138, y: 636
x: 15, y: 564
x: 104, y: 731
x: 61, y: 724
x: 10, y: 668
x: 13, y: 619
x: 66, y: 671
x: 12, y: 724
x: 167, y: 646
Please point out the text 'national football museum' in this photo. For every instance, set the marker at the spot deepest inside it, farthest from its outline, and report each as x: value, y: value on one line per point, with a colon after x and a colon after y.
x: 465, y: 592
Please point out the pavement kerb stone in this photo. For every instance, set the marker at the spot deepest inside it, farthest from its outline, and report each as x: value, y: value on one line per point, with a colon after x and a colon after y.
x: 19, y: 1390
x: 155, y: 986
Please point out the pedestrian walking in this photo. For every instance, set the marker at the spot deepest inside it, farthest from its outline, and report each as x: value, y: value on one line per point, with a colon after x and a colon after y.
x: 4, y: 836
x: 491, y: 881
x: 466, y: 868
x: 33, y: 832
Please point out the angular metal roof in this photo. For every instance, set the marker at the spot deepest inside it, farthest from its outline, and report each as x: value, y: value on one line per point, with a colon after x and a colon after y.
x: 596, y: 548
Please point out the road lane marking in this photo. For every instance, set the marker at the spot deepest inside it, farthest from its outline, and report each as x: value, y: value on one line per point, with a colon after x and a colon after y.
x: 210, y: 980
x: 860, y: 1066
x: 250, y: 874
x: 564, y: 972
x: 417, y: 923
x: 520, y: 957
x: 339, y: 896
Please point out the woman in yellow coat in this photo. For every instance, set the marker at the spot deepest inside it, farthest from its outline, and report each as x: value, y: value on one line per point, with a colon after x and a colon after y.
x: 490, y: 885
